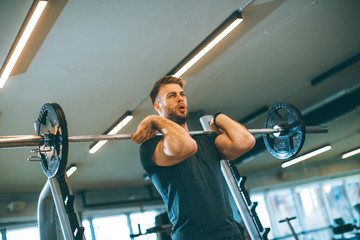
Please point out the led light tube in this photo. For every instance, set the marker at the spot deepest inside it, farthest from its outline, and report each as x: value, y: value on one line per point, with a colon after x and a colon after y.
x: 306, y: 156
x: 122, y: 124
x: 71, y: 170
x: 351, y: 153
x: 208, y: 47
x: 21, y: 44
x: 115, y: 130
x: 97, y: 146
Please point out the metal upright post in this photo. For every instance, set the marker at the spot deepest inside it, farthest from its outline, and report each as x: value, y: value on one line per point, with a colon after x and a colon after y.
x: 239, y: 200
x: 60, y: 207
x: 46, y: 214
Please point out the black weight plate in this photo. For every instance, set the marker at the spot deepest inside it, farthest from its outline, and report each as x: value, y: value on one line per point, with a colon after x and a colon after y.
x: 52, y: 124
x: 289, y: 143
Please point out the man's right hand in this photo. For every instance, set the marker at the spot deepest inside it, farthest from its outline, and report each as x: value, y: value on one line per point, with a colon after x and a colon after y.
x: 145, y: 131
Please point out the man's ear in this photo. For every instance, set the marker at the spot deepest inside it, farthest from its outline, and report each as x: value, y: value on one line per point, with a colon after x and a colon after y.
x: 157, y: 107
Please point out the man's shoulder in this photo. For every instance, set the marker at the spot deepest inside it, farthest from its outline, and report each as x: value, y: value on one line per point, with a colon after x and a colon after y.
x: 147, y: 148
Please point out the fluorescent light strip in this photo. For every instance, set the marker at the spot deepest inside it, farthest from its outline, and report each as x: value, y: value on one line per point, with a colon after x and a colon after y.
x: 97, y: 146
x: 122, y: 124
x: 208, y: 47
x: 71, y: 170
x: 351, y: 153
x: 306, y: 156
x: 115, y: 130
x: 21, y: 44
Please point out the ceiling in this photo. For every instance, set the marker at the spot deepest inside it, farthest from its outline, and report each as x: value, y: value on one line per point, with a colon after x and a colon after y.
x: 99, y: 59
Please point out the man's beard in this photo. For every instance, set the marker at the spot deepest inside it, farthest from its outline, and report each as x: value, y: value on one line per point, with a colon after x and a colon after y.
x: 177, y: 118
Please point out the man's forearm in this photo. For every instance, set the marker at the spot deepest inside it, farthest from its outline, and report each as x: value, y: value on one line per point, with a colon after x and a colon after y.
x: 176, y: 139
x: 235, y: 139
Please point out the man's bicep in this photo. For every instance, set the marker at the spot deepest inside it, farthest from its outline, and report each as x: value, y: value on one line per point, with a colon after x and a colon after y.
x: 226, y: 148
x: 161, y: 156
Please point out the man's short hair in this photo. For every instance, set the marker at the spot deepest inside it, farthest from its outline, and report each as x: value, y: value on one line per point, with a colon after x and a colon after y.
x: 162, y: 81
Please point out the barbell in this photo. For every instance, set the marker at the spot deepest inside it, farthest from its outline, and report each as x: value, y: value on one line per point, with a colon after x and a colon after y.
x: 284, y: 135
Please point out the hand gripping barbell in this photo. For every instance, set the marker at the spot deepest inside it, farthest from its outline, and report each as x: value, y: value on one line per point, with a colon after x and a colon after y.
x: 284, y: 135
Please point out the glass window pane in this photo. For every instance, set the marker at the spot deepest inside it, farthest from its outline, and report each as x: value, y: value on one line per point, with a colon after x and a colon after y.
x: 312, y: 207
x: 337, y: 201
x: 283, y: 205
x: 86, y: 225
x: 262, y: 212
x: 353, y: 188
x: 146, y: 220
x: 354, y: 191
x: 29, y: 233
x: 106, y: 228
x: 324, y: 235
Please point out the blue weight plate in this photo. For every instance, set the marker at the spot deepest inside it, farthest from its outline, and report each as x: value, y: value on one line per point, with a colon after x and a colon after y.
x: 289, y: 143
x: 52, y: 124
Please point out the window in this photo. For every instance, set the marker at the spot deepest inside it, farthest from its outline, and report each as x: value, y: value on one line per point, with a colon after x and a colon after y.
x: 262, y: 212
x: 146, y: 220
x: 315, y: 206
x: 86, y: 224
x: 28, y: 233
x: 283, y: 205
x: 312, y: 211
x: 338, y: 203
x: 114, y: 227
x: 353, y: 190
x: 312, y: 207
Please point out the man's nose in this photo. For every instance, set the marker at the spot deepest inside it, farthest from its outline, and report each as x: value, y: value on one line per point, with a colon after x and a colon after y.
x: 180, y: 98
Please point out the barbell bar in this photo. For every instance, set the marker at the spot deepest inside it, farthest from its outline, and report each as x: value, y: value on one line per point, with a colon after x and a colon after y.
x: 17, y: 141
x: 283, y: 133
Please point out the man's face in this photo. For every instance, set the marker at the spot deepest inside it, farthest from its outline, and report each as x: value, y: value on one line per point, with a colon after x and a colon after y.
x: 171, y: 103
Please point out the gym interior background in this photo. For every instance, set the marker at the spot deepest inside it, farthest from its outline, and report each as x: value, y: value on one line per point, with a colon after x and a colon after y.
x: 98, y: 60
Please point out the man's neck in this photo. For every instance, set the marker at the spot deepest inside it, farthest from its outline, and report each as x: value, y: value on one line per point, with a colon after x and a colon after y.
x: 185, y: 126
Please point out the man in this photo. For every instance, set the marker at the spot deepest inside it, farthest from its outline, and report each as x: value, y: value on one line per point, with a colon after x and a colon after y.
x: 186, y: 169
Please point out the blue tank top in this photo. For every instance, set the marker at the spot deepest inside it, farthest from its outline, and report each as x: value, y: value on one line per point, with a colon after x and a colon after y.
x: 194, y: 192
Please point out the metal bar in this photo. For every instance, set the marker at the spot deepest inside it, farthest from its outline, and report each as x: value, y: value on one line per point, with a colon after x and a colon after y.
x: 46, y: 214
x: 60, y: 207
x: 265, y: 130
x: 240, y: 202
x: 94, y: 138
x: 287, y: 220
x: 21, y: 141
x: 316, y: 129
x: 36, y: 140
